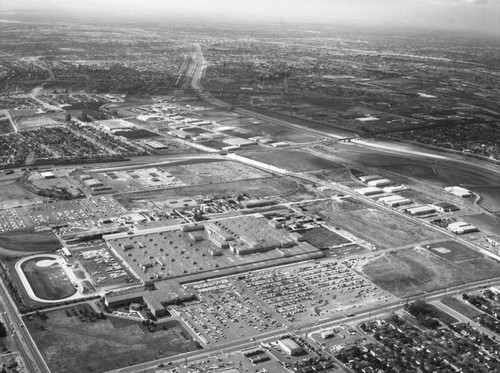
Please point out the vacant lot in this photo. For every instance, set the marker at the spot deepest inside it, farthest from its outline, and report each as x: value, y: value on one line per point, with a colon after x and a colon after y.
x: 28, y: 240
x: 322, y: 237
x: 257, y: 188
x: 48, y: 282
x: 461, y: 307
x: 490, y: 198
x: 14, y: 195
x: 210, y: 172
x: 413, y: 271
x: 71, y: 341
x: 36, y: 121
x: 293, y: 160
x: 374, y: 225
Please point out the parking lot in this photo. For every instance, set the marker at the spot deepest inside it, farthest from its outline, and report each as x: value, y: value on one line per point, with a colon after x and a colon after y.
x: 225, y: 313
x: 103, y: 268
x: 10, y: 220
x: 312, y: 291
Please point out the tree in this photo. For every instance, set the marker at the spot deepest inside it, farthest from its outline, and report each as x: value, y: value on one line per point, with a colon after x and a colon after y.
x: 68, y: 117
x: 84, y: 117
x: 3, y: 331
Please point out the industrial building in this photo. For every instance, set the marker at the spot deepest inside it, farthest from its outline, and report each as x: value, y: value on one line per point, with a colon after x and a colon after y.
x: 289, y: 347
x: 166, y: 292
x: 421, y: 210
x: 445, y: 207
x: 155, y: 144
x: 237, y: 141
x: 459, y: 191
x: 395, y: 201
x: 462, y: 227
x: 47, y: 175
x: 369, y: 191
x: 379, y: 183
x: 367, y: 178
x: 395, y: 188
x: 93, y: 183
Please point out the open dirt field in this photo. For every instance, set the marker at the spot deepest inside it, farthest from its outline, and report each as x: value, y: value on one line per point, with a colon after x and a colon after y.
x: 78, y: 343
x: 377, y: 226
x: 413, y: 271
x: 202, y: 173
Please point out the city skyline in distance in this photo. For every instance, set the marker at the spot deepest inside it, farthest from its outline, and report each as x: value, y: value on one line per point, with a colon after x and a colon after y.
x: 481, y: 16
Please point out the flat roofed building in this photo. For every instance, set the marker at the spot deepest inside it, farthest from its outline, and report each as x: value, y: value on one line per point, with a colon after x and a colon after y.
x: 366, y: 178
x: 370, y: 191
x: 459, y: 191
x: 445, y: 207
x: 421, y: 210
x: 289, y: 347
x: 379, y: 182
x: 395, y: 188
x: 154, y: 305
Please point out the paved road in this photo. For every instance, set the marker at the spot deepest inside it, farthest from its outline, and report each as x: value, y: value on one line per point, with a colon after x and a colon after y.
x: 27, y: 348
x: 306, y: 328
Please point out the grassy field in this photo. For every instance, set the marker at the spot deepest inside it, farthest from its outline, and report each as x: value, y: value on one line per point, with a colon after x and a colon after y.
x: 490, y: 198
x: 29, y: 240
x: 50, y: 282
x: 293, y: 160
x: 72, y: 342
x: 374, y: 225
x: 14, y: 195
x: 453, y: 251
x: 322, y: 237
x: 413, y: 271
x: 461, y: 307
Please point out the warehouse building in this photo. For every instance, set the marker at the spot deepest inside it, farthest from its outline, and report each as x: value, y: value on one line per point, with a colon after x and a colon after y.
x: 395, y: 188
x: 370, y: 191
x: 379, y: 183
x: 367, y: 178
x: 421, y: 210
x: 445, y: 207
x: 289, y: 347
x: 462, y: 227
x: 459, y: 192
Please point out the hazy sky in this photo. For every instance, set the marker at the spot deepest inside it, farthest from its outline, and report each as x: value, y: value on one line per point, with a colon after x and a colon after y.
x: 476, y: 15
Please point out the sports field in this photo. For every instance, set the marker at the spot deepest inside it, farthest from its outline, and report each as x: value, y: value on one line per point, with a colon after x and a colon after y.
x: 47, y: 278
x: 414, y: 271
